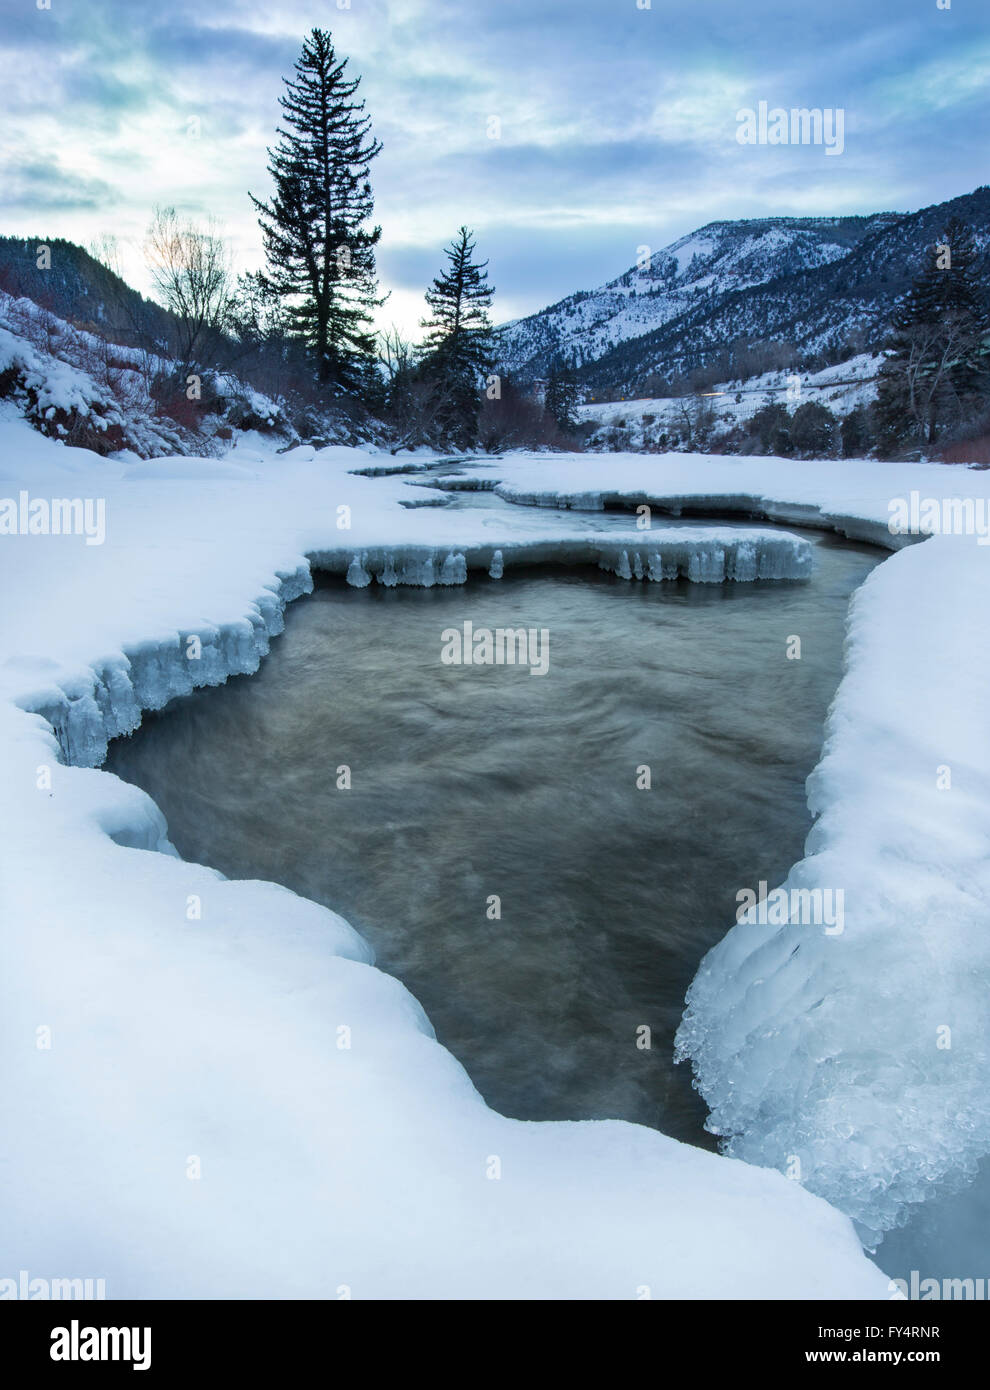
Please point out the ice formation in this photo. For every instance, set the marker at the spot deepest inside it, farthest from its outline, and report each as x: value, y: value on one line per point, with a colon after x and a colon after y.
x: 864, y: 1055
x: 703, y: 555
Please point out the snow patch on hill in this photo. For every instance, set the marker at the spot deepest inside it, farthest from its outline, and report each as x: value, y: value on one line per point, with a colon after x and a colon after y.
x: 650, y: 423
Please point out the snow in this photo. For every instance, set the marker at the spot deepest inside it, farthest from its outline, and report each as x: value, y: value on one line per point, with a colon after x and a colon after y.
x: 727, y: 257
x: 841, y: 389
x: 684, y: 251
x: 866, y: 1054
x: 208, y: 1088
x: 851, y: 496
x: 64, y: 371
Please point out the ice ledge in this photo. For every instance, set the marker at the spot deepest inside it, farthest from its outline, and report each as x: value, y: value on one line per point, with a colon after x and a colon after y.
x: 862, y: 1054
x: 664, y: 503
x: 702, y: 555
x: 86, y: 714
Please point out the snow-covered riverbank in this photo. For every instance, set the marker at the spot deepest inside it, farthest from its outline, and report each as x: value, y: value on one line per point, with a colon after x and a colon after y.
x: 208, y: 1089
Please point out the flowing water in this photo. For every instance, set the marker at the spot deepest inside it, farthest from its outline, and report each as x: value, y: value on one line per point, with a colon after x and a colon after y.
x: 475, y: 782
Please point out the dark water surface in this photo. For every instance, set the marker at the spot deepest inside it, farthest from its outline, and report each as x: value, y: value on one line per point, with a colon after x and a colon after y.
x: 473, y: 781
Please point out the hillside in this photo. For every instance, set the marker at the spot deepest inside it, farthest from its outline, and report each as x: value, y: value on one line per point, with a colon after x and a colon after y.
x: 82, y: 290
x: 823, y: 285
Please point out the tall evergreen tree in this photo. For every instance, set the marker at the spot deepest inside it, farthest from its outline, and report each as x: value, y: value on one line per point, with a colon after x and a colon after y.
x: 458, y: 348
x: 319, y: 247
x: 936, y: 358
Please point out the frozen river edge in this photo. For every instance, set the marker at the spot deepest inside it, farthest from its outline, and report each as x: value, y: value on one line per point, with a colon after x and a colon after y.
x: 372, y: 1167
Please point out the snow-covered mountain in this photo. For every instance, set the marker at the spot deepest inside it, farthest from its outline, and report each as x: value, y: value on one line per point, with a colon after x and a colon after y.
x: 824, y: 284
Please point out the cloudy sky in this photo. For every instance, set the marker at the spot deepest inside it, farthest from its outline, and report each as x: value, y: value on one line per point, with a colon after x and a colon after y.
x: 616, y: 120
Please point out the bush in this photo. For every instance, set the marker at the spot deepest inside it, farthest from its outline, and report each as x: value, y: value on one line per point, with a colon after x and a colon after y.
x: 168, y: 391
x: 770, y: 427
x: 518, y: 420
x: 814, y: 431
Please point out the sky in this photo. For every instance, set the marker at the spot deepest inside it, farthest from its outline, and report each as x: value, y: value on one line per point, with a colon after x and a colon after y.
x: 568, y: 134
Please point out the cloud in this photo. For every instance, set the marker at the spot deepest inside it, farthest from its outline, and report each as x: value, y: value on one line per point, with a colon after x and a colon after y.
x: 616, y: 124
x: 37, y: 187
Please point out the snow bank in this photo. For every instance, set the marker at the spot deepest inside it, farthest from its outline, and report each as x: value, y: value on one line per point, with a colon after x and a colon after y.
x: 866, y: 1053
x: 78, y: 388
x: 208, y: 1089
x: 851, y: 498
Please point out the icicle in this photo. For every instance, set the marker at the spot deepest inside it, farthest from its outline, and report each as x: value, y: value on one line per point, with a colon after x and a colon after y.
x: 357, y: 576
x: 454, y: 570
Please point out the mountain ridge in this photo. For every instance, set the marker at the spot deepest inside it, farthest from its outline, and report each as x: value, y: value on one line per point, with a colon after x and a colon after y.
x: 824, y: 285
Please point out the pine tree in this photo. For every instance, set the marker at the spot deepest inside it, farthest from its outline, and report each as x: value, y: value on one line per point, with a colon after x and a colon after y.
x: 318, y: 245
x: 935, y: 366
x: 561, y: 396
x: 458, y: 348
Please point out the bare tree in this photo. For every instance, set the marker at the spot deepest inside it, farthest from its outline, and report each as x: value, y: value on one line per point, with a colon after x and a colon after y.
x: 695, y: 411
x: 191, y: 268
x: 105, y: 248
x: 408, y: 407
x: 395, y: 353
x: 933, y: 353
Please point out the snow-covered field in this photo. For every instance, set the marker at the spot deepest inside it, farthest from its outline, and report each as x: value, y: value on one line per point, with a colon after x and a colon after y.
x: 209, y: 1090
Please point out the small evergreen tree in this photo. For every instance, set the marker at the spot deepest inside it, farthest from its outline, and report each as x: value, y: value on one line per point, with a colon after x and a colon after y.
x: 935, y: 363
x: 856, y: 432
x: 318, y: 245
x: 814, y: 431
x: 458, y: 348
x: 257, y: 315
x: 562, y: 396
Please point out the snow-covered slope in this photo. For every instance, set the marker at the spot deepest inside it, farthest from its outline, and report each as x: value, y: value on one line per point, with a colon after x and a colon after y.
x: 207, y: 1088
x: 664, y: 421
x: 722, y: 257
x: 78, y: 388
x: 823, y: 284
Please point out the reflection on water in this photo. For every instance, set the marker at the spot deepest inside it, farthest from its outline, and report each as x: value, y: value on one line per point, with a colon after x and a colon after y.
x: 474, y: 781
